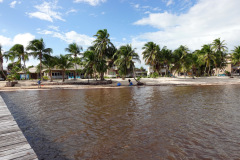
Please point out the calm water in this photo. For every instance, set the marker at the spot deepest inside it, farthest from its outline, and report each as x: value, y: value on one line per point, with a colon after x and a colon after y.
x: 148, y: 123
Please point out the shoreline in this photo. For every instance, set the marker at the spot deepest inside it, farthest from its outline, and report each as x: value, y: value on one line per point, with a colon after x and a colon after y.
x: 162, y: 81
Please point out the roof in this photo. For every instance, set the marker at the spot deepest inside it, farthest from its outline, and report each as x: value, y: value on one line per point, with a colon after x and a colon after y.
x: 31, y: 70
x: 34, y: 69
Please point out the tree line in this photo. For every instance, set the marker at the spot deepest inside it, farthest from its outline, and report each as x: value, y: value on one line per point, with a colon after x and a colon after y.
x: 96, y: 59
x: 200, y: 62
x: 102, y: 55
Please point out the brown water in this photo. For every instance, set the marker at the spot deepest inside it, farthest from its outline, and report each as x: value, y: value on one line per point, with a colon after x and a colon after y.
x: 148, y: 123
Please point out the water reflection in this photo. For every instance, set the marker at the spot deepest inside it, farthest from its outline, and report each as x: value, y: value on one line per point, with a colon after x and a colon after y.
x: 199, y: 122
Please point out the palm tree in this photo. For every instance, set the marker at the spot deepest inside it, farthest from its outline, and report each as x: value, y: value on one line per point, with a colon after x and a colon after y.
x: 63, y: 62
x: 90, y: 63
x: 102, y: 45
x: 150, y: 55
x: 208, y: 56
x: 219, y: 46
x: 1, y: 61
x: 235, y: 56
x: 74, y: 51
x: 167, y: 58
x: 182, y: 59
x: 220, y: 50
x: 37, y: 48
x: 17, y: 51
x: 125, y: 56
x: 49, y: 62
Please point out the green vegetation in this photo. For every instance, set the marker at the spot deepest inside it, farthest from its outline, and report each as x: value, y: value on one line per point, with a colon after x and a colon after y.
x: 2, y: 56
x: 125, y: 56
x: 38, y: 49
x: 103, y: 55
x: 199, y: 62
x: 63, y: 62
x: 74, y: 51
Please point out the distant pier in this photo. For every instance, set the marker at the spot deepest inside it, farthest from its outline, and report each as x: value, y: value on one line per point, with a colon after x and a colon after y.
x: 13, y: 144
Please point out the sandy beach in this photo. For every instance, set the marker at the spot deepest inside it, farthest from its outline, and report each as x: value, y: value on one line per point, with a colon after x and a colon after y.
x: 32, y: 84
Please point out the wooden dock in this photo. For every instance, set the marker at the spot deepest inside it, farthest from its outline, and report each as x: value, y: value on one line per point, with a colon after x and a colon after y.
x: 13, y: 144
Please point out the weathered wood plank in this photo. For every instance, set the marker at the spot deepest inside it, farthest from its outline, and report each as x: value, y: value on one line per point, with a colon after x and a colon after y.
x: 28, y: 154
x: 13, y: 144
x: 12, y: 150
x: 13, y: 147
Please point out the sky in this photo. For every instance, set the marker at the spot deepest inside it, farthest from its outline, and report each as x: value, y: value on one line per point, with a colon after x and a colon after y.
x: 168, y: 23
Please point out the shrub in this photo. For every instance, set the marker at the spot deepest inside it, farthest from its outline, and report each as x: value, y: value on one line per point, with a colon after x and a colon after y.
x: 45, y: 77
x: 138, y: 78
x: 154, y: 75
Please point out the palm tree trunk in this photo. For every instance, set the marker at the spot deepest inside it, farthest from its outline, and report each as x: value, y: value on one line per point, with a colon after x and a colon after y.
x: 51, y: 76
x: 209, y: 70
x: 205, y: 72
x: 102, y: 76
x: 75, y: 73
x: 63, y: 75
x: 1, y: 68
x: 24, y: 68
x: 134, y: 75
x: 40, y: 65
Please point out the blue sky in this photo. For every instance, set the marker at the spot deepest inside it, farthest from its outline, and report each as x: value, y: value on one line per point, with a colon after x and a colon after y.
x: 166, y: 22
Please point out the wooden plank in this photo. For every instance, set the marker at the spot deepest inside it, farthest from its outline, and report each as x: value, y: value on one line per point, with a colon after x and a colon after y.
x: 27, y: 154
x: 13, y: 147
x: 13, y: 144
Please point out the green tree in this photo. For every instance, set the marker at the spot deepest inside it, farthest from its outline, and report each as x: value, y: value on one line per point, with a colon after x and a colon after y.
x: 18, y: 52
x: 38, y: 49
x: 102, y: 45
x: 235, y: 56
x: 64, y: 63
x: 90, y: 63
x: 151, y: 56
x: 74, y: 51
x: 182, y: 59
x: 209, y: 57
x: 167, y: 58
x: 49, y: 63
x: 2, y: 56
x: 220, y: 49
x: 125, y: 60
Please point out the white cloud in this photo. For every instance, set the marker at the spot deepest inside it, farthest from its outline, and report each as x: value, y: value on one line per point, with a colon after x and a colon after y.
x: 5, y: 41
x: 47, y: 11
x: 1, y: 1
x: 170, y: 2
x: 56, y: 28
x: 40, y: 15
x: 70, y: 37
x: 145, y: 9
x: 18, y: 39
x: 71, y: 11
x: 12, y: 4
x: 159, y: 20
x: 136, y: 5
x: 91, y: 2
x: 204, y: 22
x: 23, y: 39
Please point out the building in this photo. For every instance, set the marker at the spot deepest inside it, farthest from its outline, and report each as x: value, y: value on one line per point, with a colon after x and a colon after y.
x: 33, y: 73
x: 150, y: 71
x: 69, y: 73
x: 112, y: 72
